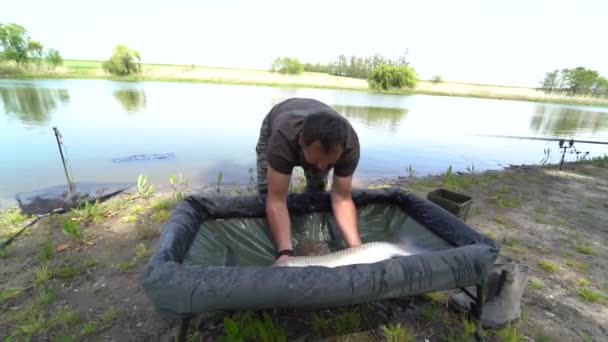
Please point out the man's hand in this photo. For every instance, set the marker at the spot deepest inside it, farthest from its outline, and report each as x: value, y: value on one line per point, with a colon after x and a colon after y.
x: 344, y: 210
x: 276, y: 209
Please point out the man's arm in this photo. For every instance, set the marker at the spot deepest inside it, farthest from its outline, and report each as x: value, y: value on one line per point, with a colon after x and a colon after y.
x: 276, y: 209
x: 344, y: 210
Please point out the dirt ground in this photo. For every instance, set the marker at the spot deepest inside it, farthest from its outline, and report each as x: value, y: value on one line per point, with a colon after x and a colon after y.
x: 57, y: 287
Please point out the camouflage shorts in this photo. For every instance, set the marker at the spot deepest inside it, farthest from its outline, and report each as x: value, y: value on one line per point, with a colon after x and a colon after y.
x: 315, y: 180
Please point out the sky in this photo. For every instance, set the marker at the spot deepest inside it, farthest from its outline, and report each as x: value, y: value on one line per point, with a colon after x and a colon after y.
x: 493, y: 42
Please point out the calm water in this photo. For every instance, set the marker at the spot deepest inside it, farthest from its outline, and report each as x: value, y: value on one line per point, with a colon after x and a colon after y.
x: 214, y: 127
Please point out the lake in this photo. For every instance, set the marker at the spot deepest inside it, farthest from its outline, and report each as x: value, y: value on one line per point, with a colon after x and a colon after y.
x: 211, y: 128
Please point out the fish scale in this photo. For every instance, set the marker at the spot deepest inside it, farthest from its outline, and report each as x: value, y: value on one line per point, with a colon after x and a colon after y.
x: 367, y: 253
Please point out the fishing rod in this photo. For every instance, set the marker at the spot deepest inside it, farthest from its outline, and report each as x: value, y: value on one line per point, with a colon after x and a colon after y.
x: 544, y: 139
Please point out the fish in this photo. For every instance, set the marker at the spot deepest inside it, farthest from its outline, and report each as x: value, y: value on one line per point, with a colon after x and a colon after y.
x: 366, y: 253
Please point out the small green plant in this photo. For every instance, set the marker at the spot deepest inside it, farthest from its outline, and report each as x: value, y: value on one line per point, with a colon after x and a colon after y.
x: 505, y: 199
x: 343, y: 322
x: 34, y: 324
x: 71, y: 228
x: 410, y: 171
x: 245, y: 326
x: 454, y: 181
x: 561, y: 222
x: 601, y: 161
x: 117, y: 204
x: 160, y: 216
x: 577, y: 265
x: 43, y: 274
x: 471, y: 169
x: 129, y: 219
x: 91, y: 262
x: 11, y: 216
x: 66, y: 272
x: 141, y: 251
x: 6, y: 252
x: 509, y: 334
x: 235, y: 190
x: 468, y: 330
x: 535, y: 284
x: 126, y: 265
x: 109, y: 315
x: 585, y: 249
x: 477, y: 211
x: 66, y: 318
x: 583, y: 281
x: 396, y: 332
x: 437, y: 297
x: 163, y: 204
x: 89, y: 328
x: 503, y: 220
x: 220, y: 175
x: 589, y: 295
x: 548, y: 266
x: 46, y: 252
x: 143, y: 189
x: 544, y: 250
x: 10, y: 293
x: 177, y: 182
x: 509, y: 241
x: 540, y: 220
x: 427, y: 312
x: 45, y: 296
x: 89, y: 212
x: 540, y: 210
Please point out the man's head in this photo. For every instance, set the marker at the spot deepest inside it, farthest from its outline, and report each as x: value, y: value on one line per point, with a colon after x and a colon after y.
x: 323, y: 139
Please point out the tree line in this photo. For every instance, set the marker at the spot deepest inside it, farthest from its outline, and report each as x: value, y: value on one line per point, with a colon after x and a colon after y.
x: 17, y: 46
x: 575, y: 82
x: 381, y: 73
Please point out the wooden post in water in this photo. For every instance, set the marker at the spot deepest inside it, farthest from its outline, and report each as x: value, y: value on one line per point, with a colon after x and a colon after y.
x: 65, y: 169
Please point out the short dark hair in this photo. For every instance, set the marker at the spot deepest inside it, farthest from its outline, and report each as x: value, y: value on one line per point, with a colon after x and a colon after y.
x: 330, y: 129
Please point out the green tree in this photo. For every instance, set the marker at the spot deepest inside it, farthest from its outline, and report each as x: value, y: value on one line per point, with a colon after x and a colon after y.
x: 14, y: 40
x: 123, y: 62
x: 287, y: 65
x: 436, y: 79
x: 385, y: 77
x: 53, y: 57
x: 35, y: 49
x: 551, y: 81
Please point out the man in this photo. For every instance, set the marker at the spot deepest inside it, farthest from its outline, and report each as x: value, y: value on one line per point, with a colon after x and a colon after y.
x: 307, y: 133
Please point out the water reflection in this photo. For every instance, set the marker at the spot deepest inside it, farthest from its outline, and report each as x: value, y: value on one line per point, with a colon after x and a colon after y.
x: 375, y: 117
x: 564, y: 121
x: 32, y: 105
x: 132, y: 100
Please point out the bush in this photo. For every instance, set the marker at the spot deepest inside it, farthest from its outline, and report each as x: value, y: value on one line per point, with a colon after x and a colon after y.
x: 124, y: 61
x: 287, y: 65
x: 385, y: 77
x: 436, y: 79
x: 53, y: 57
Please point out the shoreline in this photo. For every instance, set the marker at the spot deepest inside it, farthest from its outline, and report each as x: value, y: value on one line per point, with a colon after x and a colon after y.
x: 91, y: 70
x: 546, y: 219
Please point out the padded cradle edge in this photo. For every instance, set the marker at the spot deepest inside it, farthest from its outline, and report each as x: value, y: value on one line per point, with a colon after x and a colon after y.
x: 179, y: 290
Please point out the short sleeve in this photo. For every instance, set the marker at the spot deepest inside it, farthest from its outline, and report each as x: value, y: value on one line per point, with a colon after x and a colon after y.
x: 279, y: 154
x: 348, y: 163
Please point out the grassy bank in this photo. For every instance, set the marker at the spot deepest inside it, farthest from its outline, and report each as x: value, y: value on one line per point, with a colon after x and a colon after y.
x: 190, y: 73
x: 77, y: 276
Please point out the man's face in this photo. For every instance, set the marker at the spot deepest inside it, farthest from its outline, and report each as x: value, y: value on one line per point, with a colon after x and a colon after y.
x: 316, y: 155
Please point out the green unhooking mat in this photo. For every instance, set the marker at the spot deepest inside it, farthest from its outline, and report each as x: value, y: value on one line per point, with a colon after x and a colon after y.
x: 191, y: 270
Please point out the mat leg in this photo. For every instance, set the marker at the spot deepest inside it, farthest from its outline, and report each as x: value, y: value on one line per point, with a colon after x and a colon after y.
x: 478, y: 311
x: 183, y: 329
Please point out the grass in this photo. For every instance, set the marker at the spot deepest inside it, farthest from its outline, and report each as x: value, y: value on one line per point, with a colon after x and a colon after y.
x: 10, y: 293
x: 160, y: 216
x: 109, y: 315
x: 540, y: 210
x: 129, y: 219
x: 561, y: 222
x: 505, y: 199
x: 42, y: 275
x: 66, y: 272
x: 45, y: 296
x: 247, y: 326
x: 11, y: 216
x: 89, y: 213
x: 396, y: 332
x: 454, y: 181
x: 468, y: 329
x: 427, y: 312
x: 141, y: 251
x: 437, y: 297
x: 585, y: 249
x: 143, y: 189
x: 163, y: 204
x: 117, y: 204
x: 590, y: 296
x: 6, y: 252
x: 582, y: 281
x: 46, y: 252
x: 71, y: 228
x: 126, y: 265
x: 548, y: 266
x: 343, y: 322
x: 577, y: 265
x: 539, y: 219
x: 509, y: 241
x: 145, y: 231
x: 66, y: 318
x: 503, y: 220
x: 89, y: 328
x: 509, y: 334
x: 537, y: 285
